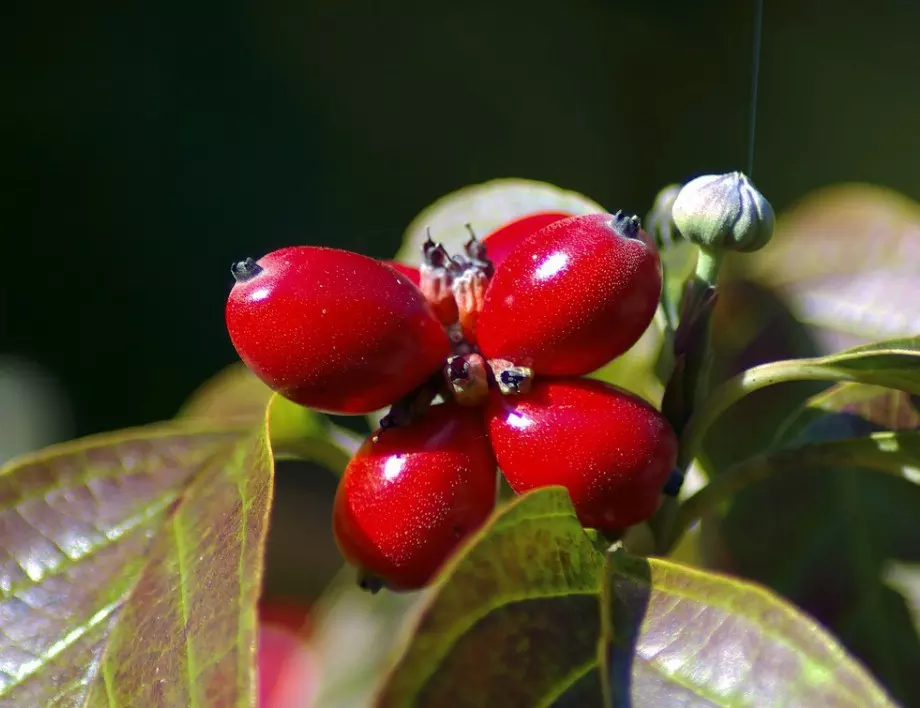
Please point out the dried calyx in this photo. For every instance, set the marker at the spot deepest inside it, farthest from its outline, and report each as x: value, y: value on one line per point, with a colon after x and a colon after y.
x: 468, y: 379
x: 659, y: 222
x: 456, y: 285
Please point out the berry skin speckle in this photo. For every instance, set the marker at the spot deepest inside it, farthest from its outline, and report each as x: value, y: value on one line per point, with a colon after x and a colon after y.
x: 411, y: 494
x: 610, y: 449
x: 333, y: 330
x: 571, y: 297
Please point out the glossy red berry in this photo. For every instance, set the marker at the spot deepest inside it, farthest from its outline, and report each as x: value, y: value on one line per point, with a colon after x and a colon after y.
x: 407, y: 270
x: 502, y: 241
x: 411, y: 494
x: 572, y: 296
x: 610, y: 449
x: 333, y: 330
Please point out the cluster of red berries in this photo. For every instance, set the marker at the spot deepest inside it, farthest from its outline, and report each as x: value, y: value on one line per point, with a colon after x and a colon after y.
x: 479, y: 354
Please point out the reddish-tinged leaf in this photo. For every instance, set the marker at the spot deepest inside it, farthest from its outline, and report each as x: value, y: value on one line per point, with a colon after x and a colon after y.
x: 676, y: 635
x: 846, y: 257
x: 130, y: 566
x: 841, y: 529
x: 514, y: 619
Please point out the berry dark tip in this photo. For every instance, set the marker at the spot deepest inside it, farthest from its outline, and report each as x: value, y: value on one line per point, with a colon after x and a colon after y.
x: 370, y: 583
x: 245, y: 270
x: 674, y: 483
x: 628, y: 224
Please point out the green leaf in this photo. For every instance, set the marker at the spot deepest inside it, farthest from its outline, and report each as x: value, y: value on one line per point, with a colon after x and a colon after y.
x: 849, y: 409
x: 346, y: 617
x: 514, y: 618
x: 130, y: 569
x: 892, y: 364
x: 232, y: 395
x: 896, y: 453
x: 635, y: 370
x: 236, y: 395
x: 675, y: 635
x: 486, y: 207
x: 298, y: 433
x: 843, y: 526
x: 846, y: 258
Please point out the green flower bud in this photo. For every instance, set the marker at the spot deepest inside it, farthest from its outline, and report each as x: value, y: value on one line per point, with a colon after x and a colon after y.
x: 659, y: 224
x: 723, y: 212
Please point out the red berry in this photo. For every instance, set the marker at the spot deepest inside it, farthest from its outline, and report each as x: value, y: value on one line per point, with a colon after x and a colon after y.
x: 407, y: 270
x: 411, y: 494
x: 609, y: 448
x: 572, y: 296
x: 333, y: 330
x: 502, y: 241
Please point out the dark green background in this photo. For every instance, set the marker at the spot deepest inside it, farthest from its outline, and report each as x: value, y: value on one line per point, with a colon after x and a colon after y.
x: 148, y: 145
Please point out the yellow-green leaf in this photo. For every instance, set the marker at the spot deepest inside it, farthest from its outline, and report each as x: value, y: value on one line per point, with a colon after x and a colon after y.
x: 234, y: 394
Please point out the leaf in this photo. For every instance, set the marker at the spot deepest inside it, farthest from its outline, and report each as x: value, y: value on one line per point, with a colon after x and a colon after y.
x: 842, y: 525
x: 850, y: 409
x: 130, y: 568
x: 674, y: 635
x: 753, y: 326
x: 298, y: 433
x: 485, y: 207
x: 514, y: 618
x: 347, y: 617
x: 635, y: 369
x: 904, y: 578
x: 846, y: 258
x: 893, y: 364
x: 236, y: 395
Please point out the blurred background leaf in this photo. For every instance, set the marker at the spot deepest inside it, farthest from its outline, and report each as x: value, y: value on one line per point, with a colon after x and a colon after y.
x: 34, y: 409
x: 829, y: 538
x: 846, y: 258
x: 357, y: 637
